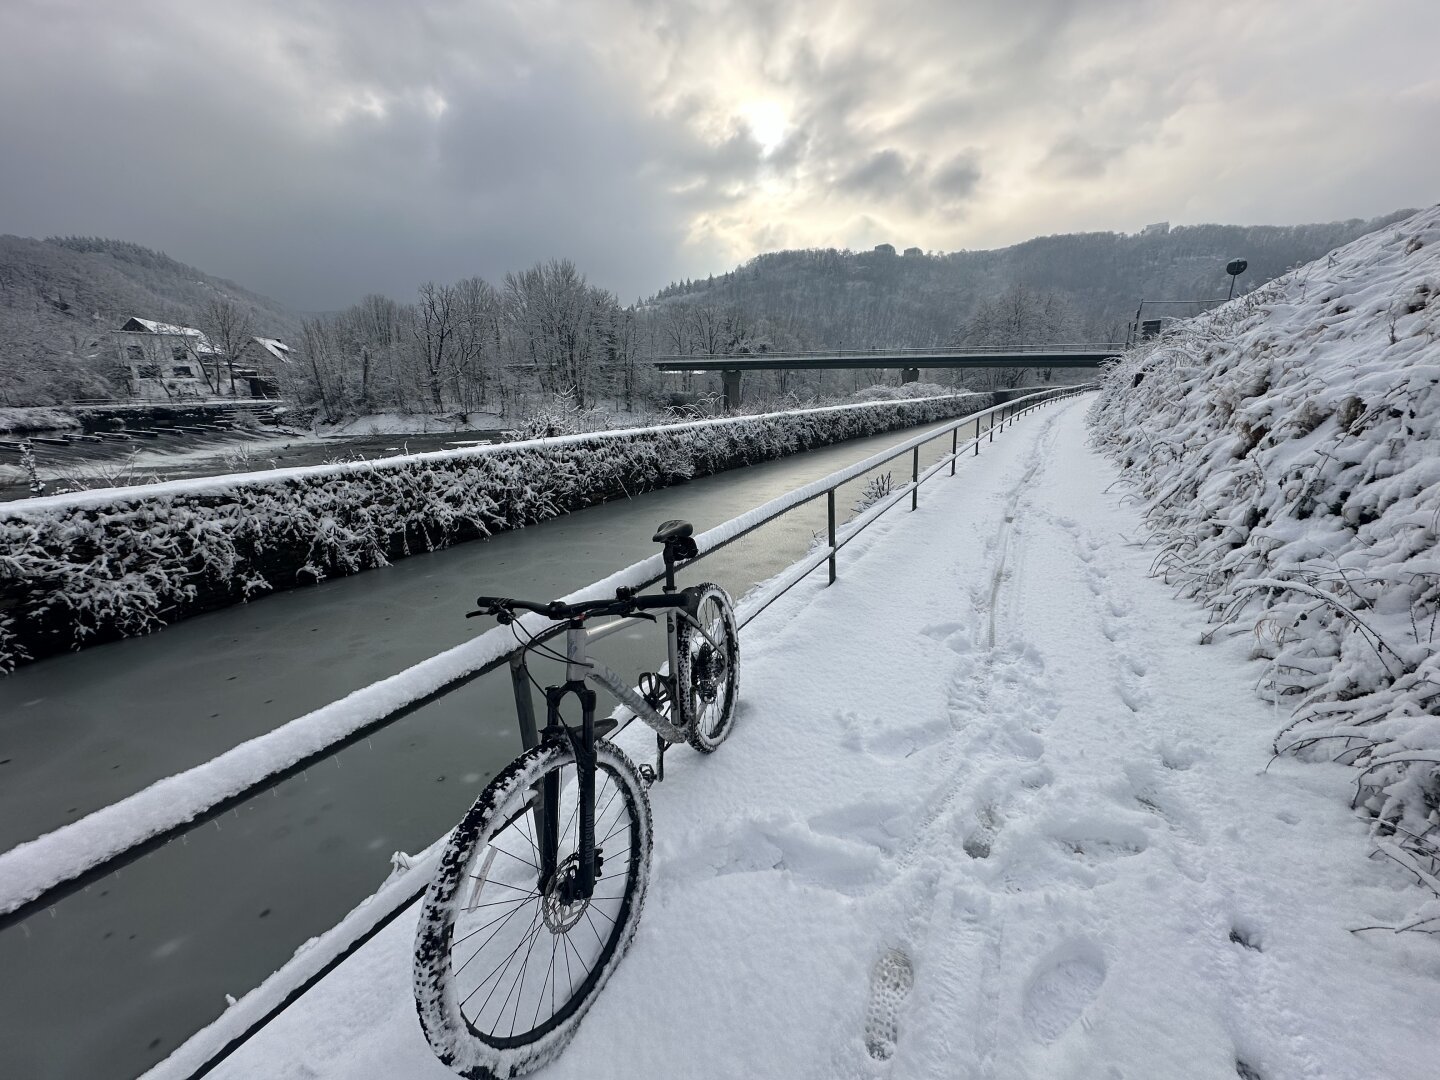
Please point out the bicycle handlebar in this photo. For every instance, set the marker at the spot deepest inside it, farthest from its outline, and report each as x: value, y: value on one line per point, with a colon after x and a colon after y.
x: 625, y: 602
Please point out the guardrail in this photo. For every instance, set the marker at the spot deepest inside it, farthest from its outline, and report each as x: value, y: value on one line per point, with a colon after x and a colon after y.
x: 42, y: 872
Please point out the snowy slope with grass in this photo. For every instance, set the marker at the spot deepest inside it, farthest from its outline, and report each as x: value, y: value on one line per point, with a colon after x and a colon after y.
x: 988, y: 810
x: 1286, y: 451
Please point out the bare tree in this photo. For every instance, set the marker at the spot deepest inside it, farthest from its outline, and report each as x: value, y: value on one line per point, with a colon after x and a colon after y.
x: 434, y: 330
x: 228, y: 329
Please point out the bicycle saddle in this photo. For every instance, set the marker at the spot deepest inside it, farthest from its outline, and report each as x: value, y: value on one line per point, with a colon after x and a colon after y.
x: 675, y: 529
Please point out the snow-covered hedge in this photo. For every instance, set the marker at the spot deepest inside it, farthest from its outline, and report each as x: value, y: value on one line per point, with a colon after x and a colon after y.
x: 1287, y: 450
x: 102, y: 564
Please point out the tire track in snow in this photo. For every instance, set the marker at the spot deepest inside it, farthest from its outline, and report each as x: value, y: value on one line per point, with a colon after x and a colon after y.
x: 1035, y: 463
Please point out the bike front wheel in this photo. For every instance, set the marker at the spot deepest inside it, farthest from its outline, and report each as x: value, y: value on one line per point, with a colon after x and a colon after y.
x: 707, y: 669
x: 505, y: 967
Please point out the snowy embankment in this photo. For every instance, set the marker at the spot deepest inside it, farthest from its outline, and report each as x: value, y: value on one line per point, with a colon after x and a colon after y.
x: 17, y: 421
x: 94, y: 565
x: 994, y: 749
x: 1286, y: 451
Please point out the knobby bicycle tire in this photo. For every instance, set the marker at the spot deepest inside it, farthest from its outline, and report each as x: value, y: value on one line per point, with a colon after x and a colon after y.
x: 704, y: 672
x: 487, y: 882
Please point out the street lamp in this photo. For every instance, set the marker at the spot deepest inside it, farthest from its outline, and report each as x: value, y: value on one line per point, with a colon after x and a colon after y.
x: 1235, y: 267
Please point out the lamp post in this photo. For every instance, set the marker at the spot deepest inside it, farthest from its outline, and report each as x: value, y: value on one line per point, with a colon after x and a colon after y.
x: 1235, y: 267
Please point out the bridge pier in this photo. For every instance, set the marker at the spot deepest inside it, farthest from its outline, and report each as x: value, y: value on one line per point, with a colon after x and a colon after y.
x: 909, y: 374
x: 730, y: 381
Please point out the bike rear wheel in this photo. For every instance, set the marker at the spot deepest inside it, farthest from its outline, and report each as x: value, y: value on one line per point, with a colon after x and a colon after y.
x: 504, y: 968
x: 707, y: 669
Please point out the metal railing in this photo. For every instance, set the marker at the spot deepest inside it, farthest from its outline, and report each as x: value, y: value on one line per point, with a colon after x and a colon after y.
x: 42, y: 872
x: 937, y: 350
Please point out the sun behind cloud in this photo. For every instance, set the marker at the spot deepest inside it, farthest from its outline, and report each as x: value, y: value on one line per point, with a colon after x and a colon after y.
x: 768, y: 123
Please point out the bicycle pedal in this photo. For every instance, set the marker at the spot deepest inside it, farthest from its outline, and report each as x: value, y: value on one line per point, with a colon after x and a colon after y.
x: 647, y: 774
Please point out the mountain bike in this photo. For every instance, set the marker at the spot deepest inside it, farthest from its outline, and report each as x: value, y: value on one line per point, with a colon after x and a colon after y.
x: 539, y: 890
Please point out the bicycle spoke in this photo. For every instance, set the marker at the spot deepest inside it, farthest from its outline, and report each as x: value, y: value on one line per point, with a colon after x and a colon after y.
x: 534, y: 928
x: 480, y: 948
x: 517, y: 858
x: 499, y: 918
x: 520, y: 991
x: 501, y: 969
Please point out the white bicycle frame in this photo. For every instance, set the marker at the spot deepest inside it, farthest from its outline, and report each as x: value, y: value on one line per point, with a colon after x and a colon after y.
x: 579, y: 666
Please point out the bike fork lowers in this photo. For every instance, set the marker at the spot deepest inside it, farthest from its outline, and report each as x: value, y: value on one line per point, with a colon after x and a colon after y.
x: 580, y: 886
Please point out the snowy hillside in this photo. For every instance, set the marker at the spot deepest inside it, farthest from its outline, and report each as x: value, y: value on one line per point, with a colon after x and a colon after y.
x: 1285, y: 450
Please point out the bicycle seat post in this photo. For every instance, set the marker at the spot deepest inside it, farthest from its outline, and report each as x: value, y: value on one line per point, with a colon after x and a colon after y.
x: 669, y: 567
x: 678, y: 538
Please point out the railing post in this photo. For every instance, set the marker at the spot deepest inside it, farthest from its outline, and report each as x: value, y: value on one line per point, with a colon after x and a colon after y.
x: 977, y: 436
x: 954, y: 447
x: 990, y: 429
x: 524, y: 705
x: 830, y: 511
x: 915, y: 480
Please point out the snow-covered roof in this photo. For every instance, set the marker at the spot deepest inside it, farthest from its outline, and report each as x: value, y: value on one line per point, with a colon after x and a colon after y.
x: 275, y: 347
x: 201, y: 342
x: 161, y: 328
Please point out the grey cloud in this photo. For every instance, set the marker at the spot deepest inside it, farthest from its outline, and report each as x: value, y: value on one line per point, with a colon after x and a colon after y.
x: 1076, y: 158
x: 598, y: 131
x: 956, y: 180
x: 883, y: 174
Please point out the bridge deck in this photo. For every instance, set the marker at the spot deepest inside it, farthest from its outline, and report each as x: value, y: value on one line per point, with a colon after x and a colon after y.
x: 1010, y: 356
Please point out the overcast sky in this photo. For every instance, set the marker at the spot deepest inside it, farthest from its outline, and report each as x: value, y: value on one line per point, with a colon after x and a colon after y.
x: 316, y: 150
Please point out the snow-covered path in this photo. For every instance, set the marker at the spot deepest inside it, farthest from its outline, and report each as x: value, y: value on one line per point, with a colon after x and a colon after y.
x: 993, y: 748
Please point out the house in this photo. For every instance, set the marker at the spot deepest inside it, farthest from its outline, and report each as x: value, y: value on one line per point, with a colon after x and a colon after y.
x: 164, y: 361
x: 911, y: 252
x: 258, y: 364
x: 1160, y: 228
x: 884, y: 249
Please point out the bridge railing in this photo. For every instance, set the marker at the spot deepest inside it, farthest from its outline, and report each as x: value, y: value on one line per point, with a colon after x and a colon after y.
x: 946, y: 350
x: 36, y: 875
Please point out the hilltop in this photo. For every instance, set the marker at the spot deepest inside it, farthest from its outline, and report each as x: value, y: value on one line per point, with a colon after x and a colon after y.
x: 859, y: 299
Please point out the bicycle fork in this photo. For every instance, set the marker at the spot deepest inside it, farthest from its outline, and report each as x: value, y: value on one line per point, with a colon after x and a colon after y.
x: 569, y: 884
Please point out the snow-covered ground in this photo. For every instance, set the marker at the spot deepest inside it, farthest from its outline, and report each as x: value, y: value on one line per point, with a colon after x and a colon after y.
x: 995, y: 747
x: 394, y: 423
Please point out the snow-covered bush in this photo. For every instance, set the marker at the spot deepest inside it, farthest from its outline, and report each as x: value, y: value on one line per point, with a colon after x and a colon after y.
x: 881, y: 392
x: 102, y: 564
x: 1286, y: 448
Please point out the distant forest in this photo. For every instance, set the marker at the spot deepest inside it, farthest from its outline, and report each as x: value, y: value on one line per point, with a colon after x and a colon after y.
x: 546, y: 333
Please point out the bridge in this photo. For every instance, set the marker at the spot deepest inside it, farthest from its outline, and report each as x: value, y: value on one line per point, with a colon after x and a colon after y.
x: 909, y: 361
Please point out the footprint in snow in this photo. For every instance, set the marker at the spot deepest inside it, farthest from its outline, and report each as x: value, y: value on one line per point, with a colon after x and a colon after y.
x: 890, y: 981
x: 1100, y: 840
x: 1247, y: 936
x: 1061, y: 990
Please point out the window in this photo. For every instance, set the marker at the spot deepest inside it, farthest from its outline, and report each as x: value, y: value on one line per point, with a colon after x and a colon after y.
x: 182, y: 371
x: 135, y: 353
x: 149, y: 371
x: 179, y: 353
